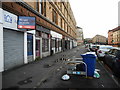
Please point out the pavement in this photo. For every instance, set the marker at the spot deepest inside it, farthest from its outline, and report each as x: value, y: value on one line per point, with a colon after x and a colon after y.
x: 47, y: 73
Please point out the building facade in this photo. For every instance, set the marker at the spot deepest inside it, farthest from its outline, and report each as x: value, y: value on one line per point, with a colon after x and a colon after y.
x: 99, y: 39
x: 110, y: 37
x: 114, y: 37
x: 55, y: 31
x: 80, y: 38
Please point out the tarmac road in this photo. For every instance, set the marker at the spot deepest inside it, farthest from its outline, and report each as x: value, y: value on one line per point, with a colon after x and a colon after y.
x: 47, y: 73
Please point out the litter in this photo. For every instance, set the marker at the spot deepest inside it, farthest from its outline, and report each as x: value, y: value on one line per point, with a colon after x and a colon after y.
x: 97, y: 70
x: 65, y: 77
x: 96, y: 74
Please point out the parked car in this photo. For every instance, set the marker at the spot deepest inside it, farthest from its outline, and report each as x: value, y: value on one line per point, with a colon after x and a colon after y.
x: 112, y: 59
x: 101, y: 50
x: 93, y: 47
x: 87, y: 46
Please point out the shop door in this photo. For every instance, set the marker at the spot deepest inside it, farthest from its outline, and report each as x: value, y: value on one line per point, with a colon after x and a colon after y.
x: 30, y: 47
x: 37, y: 48
x: 55, y: 45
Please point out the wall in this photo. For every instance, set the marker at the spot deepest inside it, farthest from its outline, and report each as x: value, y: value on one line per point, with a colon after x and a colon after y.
x: 1, y: 41
x: 32, y: 3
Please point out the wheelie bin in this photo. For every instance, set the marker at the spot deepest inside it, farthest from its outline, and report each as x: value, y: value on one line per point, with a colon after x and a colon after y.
x: 90, y: 60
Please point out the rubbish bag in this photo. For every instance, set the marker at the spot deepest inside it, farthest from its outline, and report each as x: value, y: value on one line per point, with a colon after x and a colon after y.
x: 65, y: 77
x: 80, y: 67
x: 96, y: 74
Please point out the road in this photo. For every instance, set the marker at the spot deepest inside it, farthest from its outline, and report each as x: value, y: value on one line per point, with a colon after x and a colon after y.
x: 47, y: 73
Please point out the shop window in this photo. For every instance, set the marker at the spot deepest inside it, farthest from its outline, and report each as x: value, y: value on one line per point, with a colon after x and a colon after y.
x: 53, y: 43
x: 45, y: 42
x: 45, y: 35
x: 38, y: 34
x: 56, y: 43
x: 45, y: 45
x: 59, y: 43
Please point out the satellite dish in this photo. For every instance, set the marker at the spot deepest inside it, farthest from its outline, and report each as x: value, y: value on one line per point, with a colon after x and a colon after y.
x: 65, y: 77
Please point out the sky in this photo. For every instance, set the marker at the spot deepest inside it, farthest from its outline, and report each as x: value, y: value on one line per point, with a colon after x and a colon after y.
x: 95, y: 16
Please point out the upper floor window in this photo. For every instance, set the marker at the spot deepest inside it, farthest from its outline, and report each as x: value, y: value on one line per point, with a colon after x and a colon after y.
x: 54, y: 16
x: 41, y: 7
x: 61, y: 23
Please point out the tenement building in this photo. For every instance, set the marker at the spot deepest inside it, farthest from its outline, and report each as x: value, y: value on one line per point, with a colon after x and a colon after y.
x: 80, y: 38
x: 99, y: 39
x: 114, y: 37
x: 33, y: 30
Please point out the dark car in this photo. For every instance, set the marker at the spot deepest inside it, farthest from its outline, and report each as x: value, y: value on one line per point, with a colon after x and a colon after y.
x: 112, y: 60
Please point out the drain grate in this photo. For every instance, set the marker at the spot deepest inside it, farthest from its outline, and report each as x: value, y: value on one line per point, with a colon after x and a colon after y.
x: 26, y: 81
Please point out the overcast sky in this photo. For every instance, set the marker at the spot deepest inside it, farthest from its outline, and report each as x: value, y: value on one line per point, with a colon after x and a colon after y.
x: 95, y: 16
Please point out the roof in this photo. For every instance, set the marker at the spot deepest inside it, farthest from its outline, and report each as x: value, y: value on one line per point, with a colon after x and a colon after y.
x: 116, y: 48
x: 115, y: 29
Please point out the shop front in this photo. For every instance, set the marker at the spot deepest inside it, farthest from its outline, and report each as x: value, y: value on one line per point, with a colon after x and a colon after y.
x: 38, y: 41
x: 45, y: 45
x: 13, y: 42
x: 42, y: 41
x: 71, y: 45
x: 56, y: 42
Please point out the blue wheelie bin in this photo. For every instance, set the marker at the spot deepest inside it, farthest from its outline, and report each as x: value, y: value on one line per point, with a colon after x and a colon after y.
x: 90, y: 60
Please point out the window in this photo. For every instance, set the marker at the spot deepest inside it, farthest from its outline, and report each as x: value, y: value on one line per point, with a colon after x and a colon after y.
x: 53, y: 43
x: 67, y: 28
x: 59, y: 43
x: 64, y: 25
x: 38, y: 34
x: 61, y: 6
x: 61, y: 23
x: 41, y: 7
x: 45, y: 8
x: 45, y: 45
x: 45, y: 42
x: 54, y: 16
x: 37, y: 5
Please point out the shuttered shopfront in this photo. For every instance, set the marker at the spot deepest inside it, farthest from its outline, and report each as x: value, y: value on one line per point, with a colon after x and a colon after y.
x: 13, y: 48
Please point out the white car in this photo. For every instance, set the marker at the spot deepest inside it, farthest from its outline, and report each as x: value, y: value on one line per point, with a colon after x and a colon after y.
x: 102, y: 49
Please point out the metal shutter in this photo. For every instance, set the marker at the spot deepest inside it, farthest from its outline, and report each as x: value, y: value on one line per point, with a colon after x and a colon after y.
x: 13, y: 48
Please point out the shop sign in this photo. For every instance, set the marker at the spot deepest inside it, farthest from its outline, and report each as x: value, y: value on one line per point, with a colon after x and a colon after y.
x: 25, y: 22
x: 9, y: 20
x: 56, y: 35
